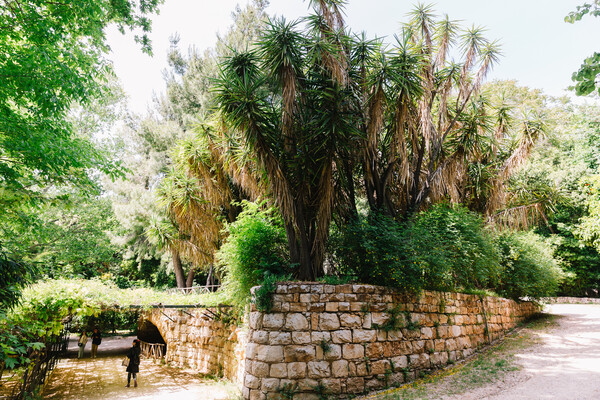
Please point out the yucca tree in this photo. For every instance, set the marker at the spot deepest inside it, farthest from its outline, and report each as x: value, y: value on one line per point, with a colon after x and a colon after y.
x: 422, y: 123
x: 287, y: 101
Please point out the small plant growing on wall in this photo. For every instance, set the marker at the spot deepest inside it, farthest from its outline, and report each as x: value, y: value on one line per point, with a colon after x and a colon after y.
x: 321, y: 391
x: 288, y: 390
x: 393, y: 323
x: 325, y: 346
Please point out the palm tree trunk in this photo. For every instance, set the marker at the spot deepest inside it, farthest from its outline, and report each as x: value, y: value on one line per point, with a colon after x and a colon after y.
x: 177, y: 268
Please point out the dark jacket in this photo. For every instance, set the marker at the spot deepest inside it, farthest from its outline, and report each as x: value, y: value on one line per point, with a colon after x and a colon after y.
x: 96, y: 338
x: 134, y: 359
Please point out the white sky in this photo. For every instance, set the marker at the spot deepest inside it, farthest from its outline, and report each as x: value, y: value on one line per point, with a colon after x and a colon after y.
x: 540, y: 49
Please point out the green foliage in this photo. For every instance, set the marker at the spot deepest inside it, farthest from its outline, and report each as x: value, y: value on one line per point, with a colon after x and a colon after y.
x: 59, y: 47
x: 443, y: 248
x: 14, y: 277
x: 529, y: 268
x: 263, y: 296
x: 587, y: 74
x: 454, y: 248
x: 373, y: 250
x: 255, y: 250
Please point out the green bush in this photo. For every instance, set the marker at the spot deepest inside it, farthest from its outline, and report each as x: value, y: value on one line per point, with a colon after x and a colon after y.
x: 454, y: 247
x: 528, y: 267
x: 373, y: 250
x: 443, y: 248
x: 256, y: 247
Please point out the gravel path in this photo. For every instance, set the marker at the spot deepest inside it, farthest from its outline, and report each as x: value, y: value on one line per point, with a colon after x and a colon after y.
x: 565, y: 365
x: 104, y: 378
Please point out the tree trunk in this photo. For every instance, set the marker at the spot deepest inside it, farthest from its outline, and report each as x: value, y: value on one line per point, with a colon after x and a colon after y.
x: 210, y: 275
x: 189, y: 282
x: 177, y: 268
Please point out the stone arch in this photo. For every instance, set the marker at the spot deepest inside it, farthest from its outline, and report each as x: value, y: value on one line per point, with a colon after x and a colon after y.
x: 148, y: 332
x: 196, y: 338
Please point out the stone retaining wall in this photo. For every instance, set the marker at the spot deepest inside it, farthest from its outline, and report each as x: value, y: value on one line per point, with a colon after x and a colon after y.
x: 350, y: 339
x: 197, y: 339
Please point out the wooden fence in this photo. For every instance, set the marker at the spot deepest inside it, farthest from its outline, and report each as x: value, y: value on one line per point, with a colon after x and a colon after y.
x: 153, y: 350
x: 195, y: 289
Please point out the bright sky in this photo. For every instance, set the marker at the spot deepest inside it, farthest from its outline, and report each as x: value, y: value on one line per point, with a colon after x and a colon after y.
x: 540, y: 49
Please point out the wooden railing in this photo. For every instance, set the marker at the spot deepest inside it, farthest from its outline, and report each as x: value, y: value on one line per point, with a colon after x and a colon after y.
x: 195, y: 289
x: 153, y: 350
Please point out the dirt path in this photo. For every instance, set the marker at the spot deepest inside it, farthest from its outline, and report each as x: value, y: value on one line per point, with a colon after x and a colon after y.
x: 104, y: 378
x: 557, y: 357
x: 566, y: 365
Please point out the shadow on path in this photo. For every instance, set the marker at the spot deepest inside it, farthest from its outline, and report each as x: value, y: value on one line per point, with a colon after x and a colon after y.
x: 104, y: 378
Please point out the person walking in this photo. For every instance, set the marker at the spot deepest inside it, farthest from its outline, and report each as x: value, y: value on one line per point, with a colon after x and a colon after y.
x: 134, y: 362
x: 83, y: 339
x: 96, y: 340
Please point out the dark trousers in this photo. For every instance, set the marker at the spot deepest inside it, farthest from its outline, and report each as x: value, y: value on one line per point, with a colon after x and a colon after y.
x: 129, y: 375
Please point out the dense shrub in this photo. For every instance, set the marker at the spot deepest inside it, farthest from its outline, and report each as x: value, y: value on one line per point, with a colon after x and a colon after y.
x: 373, y: 250
x: 255, y: 248
x: 443, y: 248
x: 455, y: 249
x: 528, y: 267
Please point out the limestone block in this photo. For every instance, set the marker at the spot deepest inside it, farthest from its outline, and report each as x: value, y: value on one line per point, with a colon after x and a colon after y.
x: 373, y: 384
x: 353, y: 351
x: 316, y: 307
x: 298, y: 307
x: 355, y: 385
x: 257, y: 395
x: 307, y: 384
x: 427, y: 333
x: 344, y: 336
x: 344, y: 306
x: 350, y: 320
x: 334, y: 353
x: 318, y: 369
x: 269, y: 354
x: 270, y: 384
x: 296, y: 370
x: 279, y: 338
x: 339, y: 368
x: 363, y: 335
x: 333, y: 386
x: 332, y: 306
x: 278, y: 370
x: 250, y: 350
x: 260, y: 337
x: 380, y: 367
x: 306, y: 396
x: 455, y: 330
x: 295, y: 322
x: 301, y: 337
x: 259, y: 369
x: 374, y: 350
x: 273, y: 321
x: 251, y: 382
x: 255, y: 320
x: 328, y: 321
x: 299, y: 353
x: 318, y: 337
x: 379, y: 318
x: 394, y: 335
x: 400, y: 362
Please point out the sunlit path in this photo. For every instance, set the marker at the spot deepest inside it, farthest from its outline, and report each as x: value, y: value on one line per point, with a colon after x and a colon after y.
x: 104, y: 378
